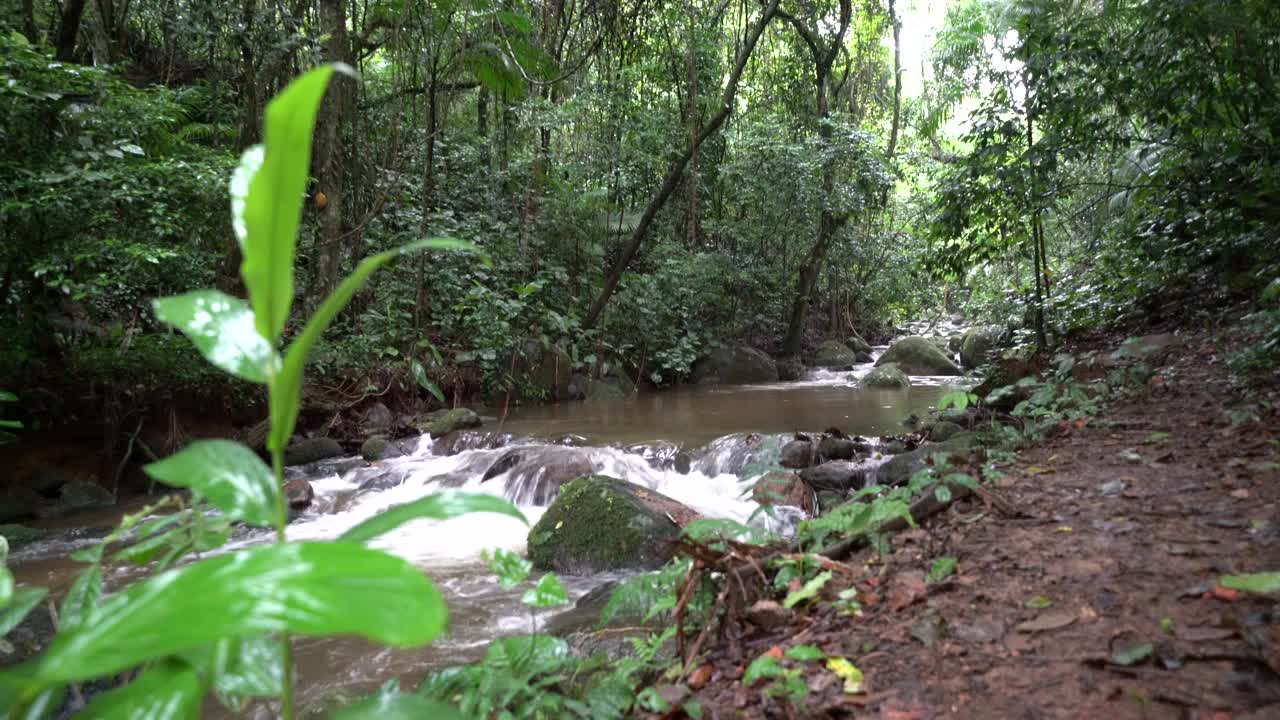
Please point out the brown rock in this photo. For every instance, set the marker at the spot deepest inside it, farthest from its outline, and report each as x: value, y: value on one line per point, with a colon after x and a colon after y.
x: 783, y: 488
x: 299, y: 493
x: 767, y: 614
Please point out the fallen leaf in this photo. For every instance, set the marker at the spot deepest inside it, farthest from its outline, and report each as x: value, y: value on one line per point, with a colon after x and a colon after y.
x: 774, y: 652
x: 848, y: 672
x: 1048, y: 621
x: 700, y: 676
x: 1132, y: 653
x: 908, y: 589
x: 1225, y: 594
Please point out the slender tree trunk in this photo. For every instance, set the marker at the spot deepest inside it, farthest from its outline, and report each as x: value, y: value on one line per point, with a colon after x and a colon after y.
x: 676, y: 170
x: 692, y: 220
x: 433, y: 127
x: 897, y: 80
x: 69, y: 29
x: 29, y: 21
x: 330, y: 168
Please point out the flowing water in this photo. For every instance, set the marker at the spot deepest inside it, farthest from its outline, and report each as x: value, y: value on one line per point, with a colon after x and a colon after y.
x: 700, y: 446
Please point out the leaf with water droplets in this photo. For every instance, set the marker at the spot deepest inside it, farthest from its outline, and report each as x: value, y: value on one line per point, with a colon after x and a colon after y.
x: 228, y: 474
x: 222, y: 329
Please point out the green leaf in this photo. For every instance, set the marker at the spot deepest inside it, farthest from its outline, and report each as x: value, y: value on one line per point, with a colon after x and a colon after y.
x: 530, y: 653
x: 82, y: 597
x: 762, y: 667
x: 1132, y: 653
x: 942, y: 568
x: 808, y: 591
x: 6, y: 396
x: 248, y: 667
x: 21, y: 602
x: 510, y: 568
x: 302, y: 588
x: 229, y: 475
x: 398, y: 706
x: 221, y: 327
x: 6, y: 586
x: 1039, y: 602
x: 1260, y: 583
x: 439, y: 506
x: 420, y: 376
x: 942, y: 493
x: 170, y: 689
x: 287, y: 391
x: 547, y: 593
x: 267, y: 194
x: 804, y: 652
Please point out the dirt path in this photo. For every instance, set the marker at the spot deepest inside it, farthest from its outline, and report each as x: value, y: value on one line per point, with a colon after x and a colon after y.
x: 1124, y: 525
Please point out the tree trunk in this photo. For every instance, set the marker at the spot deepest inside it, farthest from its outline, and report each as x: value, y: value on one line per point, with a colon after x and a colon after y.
x: 676, y: 170
x: 330, y: 168
x: 69, y: 29
x: 897, y: 80
x: 29, y: 21
x: 692, y: 220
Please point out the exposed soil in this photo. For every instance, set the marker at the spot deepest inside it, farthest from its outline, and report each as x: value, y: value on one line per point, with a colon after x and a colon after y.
x: 1119, y: 530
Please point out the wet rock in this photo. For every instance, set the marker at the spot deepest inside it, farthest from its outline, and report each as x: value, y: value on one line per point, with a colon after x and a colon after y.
x: 955, y: 342
x: 311, y: 450
x: 783, y: 488
x: 887, y: 377
x: 19, y: 503
x: 379, y: 417
x: 797, y: 454
x: 944, y: 430
x: 899, y: 469
x: 834, y: 353
x: 732, y: 454
x: 734, y: 366
x: 599, y: 523
x: 978, y: 345
x: 835, y: 476
x: 20, y: 535
x: 836, y: 448
x: 662, y: 456
x: 917, y: 356
x: 378, y: 448
x: 864, y: 357
x: 82, y: 495
x: 461, y: 441
x: 855, y: 343
x: 536, y: 474
x: 790, y: 369
x: 767, y: 615
x: 378, y: 478
x: 443, y: 422
x: 299, y: 493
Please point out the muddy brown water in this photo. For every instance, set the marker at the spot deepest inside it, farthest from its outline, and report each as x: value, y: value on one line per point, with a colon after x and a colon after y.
x: 695, y: 419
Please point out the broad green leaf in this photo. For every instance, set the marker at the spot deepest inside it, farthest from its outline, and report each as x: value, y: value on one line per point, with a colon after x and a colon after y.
x: 4, y: 550
x: 248, y: 667
x: 1132, y: 653
x: 942, y: 568
x: 762, y: 667
x: 287, y: 392
x: 23, y: 600
x: 267, y: 218
x: 804, y: 652
x: 547, y: 593
x: 530, y: 653
x: 420, y: 377
x: 6, y: 586
x: 229, y: 475
x: 6, y: 396
x: 942, y: 493
x: 18, y: 706
x: 82, y: 597
x: 1260, y: 583
x: 221, y: 328
x: 398, y: 706
x: 170, y: 689
x: 302, y: 588
x: 808, y: 591
x: 510, y: 568
x: 439, y: 506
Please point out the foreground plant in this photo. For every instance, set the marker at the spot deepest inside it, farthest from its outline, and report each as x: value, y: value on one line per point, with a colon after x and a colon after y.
x: 223, y: 623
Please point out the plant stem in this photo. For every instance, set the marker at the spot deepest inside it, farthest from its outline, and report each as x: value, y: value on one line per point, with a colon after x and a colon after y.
x: 286, y: 654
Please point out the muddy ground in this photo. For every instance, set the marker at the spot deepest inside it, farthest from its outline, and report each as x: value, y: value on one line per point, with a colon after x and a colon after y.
x: 1090, y: 592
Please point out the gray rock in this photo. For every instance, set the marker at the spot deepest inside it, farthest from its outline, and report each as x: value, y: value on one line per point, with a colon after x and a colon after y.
x: 83, y: 495
x: 918, y: 356
x: 311, y: 450
x: 299, y: 493
x: 833, y: 353
x: 379, y: 417
x: 797, y: 454
x: 944, y: 430
x: 790, y: 369
x: 829, y: 500
x: 978, y: 345
x: 899, y: 469
x: 835, y: 476
x: 857, y: 344
x: 835, y: 448
x: 378, y: 448
x: 21, y: 535
x: 536, y: 474
x: 887, y: 377
x: 735, y: 366
x: 602, y: 392
x: 442, y: 423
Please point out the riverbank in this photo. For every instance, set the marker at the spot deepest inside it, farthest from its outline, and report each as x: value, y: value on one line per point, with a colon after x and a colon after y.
x: 1085, y: 581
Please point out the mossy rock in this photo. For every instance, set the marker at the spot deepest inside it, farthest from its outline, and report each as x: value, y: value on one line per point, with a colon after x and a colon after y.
x: 379, y: 447
x: 887, y: 377
x: 857, y: 344
x: 443, y: 423
x: 978, y: 344
x: 599, y: 523
x: 790, y: 369
x: 20, y: 535
x: 833, y: 353
x: 918, y: 356
x: 311, y: 450
x: 899, y: 469
x: 944, y: 430
x: 735, y: 366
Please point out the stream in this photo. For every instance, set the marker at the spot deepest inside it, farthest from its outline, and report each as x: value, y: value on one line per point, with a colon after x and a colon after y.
x: 694, y: 444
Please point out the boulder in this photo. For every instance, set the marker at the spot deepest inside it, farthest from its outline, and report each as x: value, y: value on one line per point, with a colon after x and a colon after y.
x: 600, y: 523
x: 944, y: 430
x: 734, y: 366
x: 311, y: 450
x: 379, y: 478
x: 917, y: 356
x: 790, y: 369
x: 379, y: 448
x: 461, y: 441
x: 299, y: 493
x: 835, y: 476
x: 887, y: 377
x: 833, y: 353
x: 379, y: 417
x: 536, y: 474
x: 20, y: 535
x: 899, y: 469
x: 797, y: 454
x: 978, y: 344
x: 18, y: 503
x: 783, y: 488
x: 596, y: 391
x: 857, y: 344
x: 662, y: 455
x: 443, y: 422
x: 955, y: 342
x: 82, y: 495
x: 837, y: 448
x: 864, y: 357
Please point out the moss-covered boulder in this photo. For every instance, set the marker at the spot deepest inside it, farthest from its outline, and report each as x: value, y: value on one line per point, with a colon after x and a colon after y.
x: 978, y: 344
x: 311, y: 450
x: 918, y: 356
x: 887, y: 377
x: 900, y: 468
x: 790, y: 369
x: 857, y: 344
x: 19, y: 535
x: 379, y: 447
x: 599, y: 523
x: 944, y: 430
x: 443, y: 422
x: 735, y: 366
x: 834, y: 353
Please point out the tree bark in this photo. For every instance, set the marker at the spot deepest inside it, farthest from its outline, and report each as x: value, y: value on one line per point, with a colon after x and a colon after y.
x: 69, y: 29
x: 330, y: 168
x: 676, y: 170
x: 897, y: 80
x: 29, y: 21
